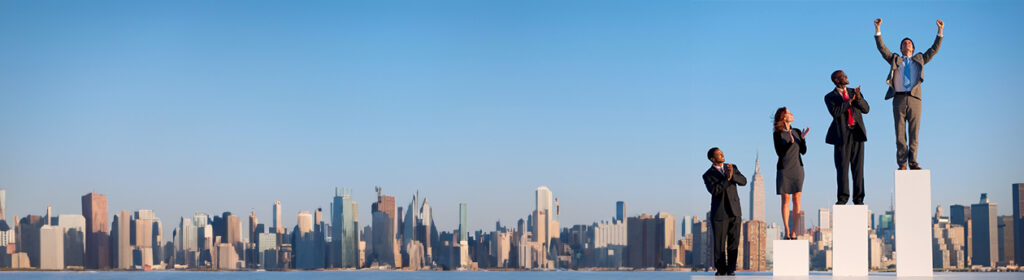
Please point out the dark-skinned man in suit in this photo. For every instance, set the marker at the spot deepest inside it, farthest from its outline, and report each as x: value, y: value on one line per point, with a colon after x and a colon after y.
x: 847, y: 133
x: 721, y: 180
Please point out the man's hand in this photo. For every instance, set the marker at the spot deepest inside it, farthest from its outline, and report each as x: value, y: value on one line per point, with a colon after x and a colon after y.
x: 855, y: 95
x: 878, y: 25
x: 728, y: 171
x: 806, y: 130
x: 940, y: 24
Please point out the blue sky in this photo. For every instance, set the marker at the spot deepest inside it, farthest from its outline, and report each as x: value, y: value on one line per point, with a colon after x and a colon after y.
x: 213, y: 106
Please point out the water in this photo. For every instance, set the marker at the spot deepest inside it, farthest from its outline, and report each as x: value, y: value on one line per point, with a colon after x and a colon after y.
x: 458, y: 275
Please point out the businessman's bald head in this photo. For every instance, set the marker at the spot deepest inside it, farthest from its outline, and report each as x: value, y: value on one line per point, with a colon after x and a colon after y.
x: 839, y: 78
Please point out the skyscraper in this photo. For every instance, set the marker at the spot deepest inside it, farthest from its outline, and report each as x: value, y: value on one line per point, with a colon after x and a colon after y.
x: 233, y: 235
x: 757, y: 193
x: 204, y: 237
x: 620, y: 211
x: 278, y: 226
x: 772, y: 233
x: 122, y: 249
x: 409, y: 239
x: 754, y: 247
x: 463, y: 226
x: 3, y: 204
x: 463, y: 244
x: 984, y: 233
x: 961, y: 215
x: 27, y: 233
x: 73, y: 227
x: 253, y: 222
x: 186, y: 240
x: 1018, y: 222
x: 384, y: 226
x: 543, y: 199
x: 145, y: 237
x: 266, y: 246
x: 650, y: 240
x: 702, y: 254
x: 824, y: 218
x: 51, y: 247
x: 687, y: 225
x: 426, y: 231
x: 1005, y: 236
x: 234, y: 230
x: 344, y: 230
x: 97, y: 231
x: 305, y: 239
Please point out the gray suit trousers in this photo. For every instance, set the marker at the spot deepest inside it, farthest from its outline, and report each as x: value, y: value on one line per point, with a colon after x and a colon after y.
x: 906, y: 111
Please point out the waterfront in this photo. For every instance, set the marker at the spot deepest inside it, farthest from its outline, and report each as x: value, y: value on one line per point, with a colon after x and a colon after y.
x: 458, y: 275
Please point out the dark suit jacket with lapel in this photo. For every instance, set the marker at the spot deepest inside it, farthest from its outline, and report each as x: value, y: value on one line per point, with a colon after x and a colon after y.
x: 724, y: 200
x: 837, y: 108
x: 894, y: 60
x: 781, y: 145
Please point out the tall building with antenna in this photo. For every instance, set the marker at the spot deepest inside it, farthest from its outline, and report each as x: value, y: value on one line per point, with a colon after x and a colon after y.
x: 757, y: 193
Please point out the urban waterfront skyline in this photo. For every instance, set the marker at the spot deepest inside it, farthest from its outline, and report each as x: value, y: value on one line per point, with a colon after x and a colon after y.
x: 61, y: 238
x: 125, y: 123
x: 453, y: 221
x: 603, y: 101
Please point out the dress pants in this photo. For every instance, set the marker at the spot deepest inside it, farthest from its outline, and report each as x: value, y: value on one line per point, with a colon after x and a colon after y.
x: 727, y: 237
x: 849, y: 156
x: 906, y: 111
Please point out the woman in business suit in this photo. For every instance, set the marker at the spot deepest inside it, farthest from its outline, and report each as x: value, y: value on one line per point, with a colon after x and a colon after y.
x: 789, y: 177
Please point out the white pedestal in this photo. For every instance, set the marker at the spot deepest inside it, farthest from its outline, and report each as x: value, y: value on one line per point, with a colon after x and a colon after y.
x: 912, y: 219
x: 850, y: 240
x: 790, y: 258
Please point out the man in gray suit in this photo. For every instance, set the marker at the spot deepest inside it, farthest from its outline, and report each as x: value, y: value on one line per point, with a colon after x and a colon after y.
x: 906, y: 73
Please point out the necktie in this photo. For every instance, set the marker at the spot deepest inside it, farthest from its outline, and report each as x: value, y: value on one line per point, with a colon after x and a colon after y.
x: 849, y: 112
x: 906, y: 73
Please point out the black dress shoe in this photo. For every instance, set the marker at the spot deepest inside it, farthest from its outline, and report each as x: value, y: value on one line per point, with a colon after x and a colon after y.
x: 858, y: 203
x: 914, y: 166
x: 731, y: 273
x: 719, y: 273
x: 841, y: 203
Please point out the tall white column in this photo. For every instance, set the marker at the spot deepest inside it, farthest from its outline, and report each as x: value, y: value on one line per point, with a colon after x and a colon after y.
x: 790, y: 258
x: 912, y: 219
x: 849, y: 240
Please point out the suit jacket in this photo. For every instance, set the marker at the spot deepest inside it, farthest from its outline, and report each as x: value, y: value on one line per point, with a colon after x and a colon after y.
x: 724, y: 200
x: 837, y: 108
x: 894, y: 60
x: 782, y: 144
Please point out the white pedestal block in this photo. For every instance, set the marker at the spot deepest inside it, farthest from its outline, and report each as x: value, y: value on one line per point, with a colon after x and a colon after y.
x: 912, y: 219
x: 790, y: 258
x: 849, y: 240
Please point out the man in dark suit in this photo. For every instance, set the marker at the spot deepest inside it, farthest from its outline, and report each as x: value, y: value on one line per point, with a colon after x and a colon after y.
x: 906, y: 73
x: 721, y: 180
x: 847, y: 134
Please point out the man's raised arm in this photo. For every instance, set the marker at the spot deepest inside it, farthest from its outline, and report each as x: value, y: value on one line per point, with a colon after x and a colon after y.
x: 927, y: 55
x: 886, y: 54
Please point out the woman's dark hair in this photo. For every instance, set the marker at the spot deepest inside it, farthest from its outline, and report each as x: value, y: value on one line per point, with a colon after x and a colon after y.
x: 711, y: 152
x: 780, y: 119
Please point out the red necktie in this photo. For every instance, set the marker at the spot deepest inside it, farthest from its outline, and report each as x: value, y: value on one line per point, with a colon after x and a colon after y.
x: 849, y: 112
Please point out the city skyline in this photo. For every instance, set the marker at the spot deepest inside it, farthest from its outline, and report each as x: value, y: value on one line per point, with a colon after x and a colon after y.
x: 155, y: 105
x: 649, y: 240
x: 344, y: 197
